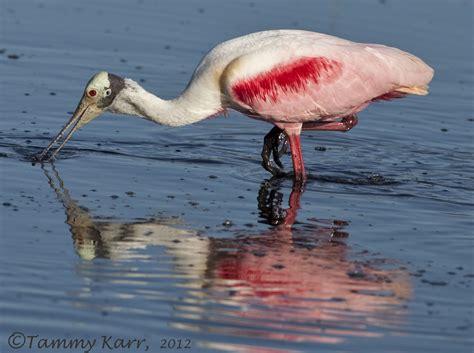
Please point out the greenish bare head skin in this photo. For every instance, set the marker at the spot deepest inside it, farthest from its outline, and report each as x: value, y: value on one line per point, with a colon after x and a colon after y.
x: 99, y: 93
x: 99, y: 81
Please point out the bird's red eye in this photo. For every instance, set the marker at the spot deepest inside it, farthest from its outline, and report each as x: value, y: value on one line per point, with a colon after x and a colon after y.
x: 92, y: 92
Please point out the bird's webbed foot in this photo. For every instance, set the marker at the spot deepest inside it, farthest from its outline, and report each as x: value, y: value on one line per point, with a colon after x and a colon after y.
x: 275, y: 143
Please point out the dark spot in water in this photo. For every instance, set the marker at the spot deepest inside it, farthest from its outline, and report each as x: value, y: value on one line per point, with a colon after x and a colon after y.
x: 320, y: 148
x: 201, y: 10
x: 52, y: 93
x: 193, y: 203
x: 434, y: 283
x: 339, y: 234
x: 138, y: 67
x: 6, y: 204
x: 444, y: 129
x: 212, y: 177
x: 227, y: 223
x: 130, y: 193
x: 376, y: 179
x: 463, y: 327
x: 259, y: 253
x: 176, y: 241
x: 356, y: 273
x: 114, y: 196
x: 337, y: 299
x: 372, y: 179
x: 122, y: 60
x: 167, y: 47
x: 26, y: 94
x: 2, y: 51
x: 13, y: 56
x: 340, y: 223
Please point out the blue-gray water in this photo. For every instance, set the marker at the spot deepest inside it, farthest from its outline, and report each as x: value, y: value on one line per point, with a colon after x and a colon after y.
x: 142, y: 231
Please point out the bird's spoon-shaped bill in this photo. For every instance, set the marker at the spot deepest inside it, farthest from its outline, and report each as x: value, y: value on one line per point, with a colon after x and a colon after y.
x: 81, y: 116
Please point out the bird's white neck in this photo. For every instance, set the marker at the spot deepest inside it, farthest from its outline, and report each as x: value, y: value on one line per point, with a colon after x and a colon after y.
x: 191, y: 106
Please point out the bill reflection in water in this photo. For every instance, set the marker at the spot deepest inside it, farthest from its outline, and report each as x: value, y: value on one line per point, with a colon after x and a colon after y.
x: 289, y: 282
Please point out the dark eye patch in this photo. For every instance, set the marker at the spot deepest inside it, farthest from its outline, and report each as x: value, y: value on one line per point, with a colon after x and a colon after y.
x: 116, y: 85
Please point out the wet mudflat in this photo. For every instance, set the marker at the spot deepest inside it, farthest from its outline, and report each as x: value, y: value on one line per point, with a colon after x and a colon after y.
x: 179, y: 237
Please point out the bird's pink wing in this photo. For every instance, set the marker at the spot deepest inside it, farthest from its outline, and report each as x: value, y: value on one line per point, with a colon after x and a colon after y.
x: 335, y: 81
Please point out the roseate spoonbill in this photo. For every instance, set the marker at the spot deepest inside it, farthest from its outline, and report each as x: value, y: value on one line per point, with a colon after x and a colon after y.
x: 296, y: 80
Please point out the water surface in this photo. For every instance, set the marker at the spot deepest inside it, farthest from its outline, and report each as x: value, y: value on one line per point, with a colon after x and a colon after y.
x: 143, y: 231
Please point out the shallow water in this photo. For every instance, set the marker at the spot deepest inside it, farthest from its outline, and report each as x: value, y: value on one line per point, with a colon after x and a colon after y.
x: 142, y: 231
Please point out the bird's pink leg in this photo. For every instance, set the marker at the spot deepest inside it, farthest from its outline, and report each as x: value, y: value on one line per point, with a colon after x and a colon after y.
x: 346, y: 124
x: 297, y: 156
x: 293, y: 131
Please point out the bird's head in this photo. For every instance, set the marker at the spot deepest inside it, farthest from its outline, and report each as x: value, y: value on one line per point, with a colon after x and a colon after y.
x: 100, y: 92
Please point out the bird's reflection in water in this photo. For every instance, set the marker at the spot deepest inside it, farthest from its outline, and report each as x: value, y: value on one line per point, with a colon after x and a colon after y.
x: 294, y: 281
x: 110, y: 239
